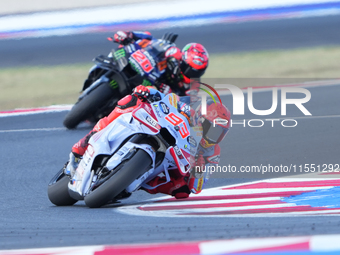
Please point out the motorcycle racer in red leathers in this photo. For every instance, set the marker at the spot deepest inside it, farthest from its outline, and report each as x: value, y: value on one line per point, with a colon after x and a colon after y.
x: 208, y: 152
x: 180, y: 66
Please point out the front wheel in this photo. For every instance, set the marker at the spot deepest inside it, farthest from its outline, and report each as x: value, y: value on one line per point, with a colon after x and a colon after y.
x: 119, y: 179
x: 58, y: 190
x: 88, y: 105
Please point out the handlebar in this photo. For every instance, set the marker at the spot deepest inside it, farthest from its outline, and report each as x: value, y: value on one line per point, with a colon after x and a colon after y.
x: 104, y: 60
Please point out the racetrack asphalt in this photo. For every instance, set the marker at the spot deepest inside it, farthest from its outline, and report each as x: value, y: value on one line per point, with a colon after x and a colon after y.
x: 34, y: 147
x: 232, y: 37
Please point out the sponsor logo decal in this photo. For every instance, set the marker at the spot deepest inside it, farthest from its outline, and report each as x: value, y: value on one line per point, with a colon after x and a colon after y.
x: 178, y: 152
x: 157, y: 111
x: 200, y: 184
x: 192, y: 141
x: 164, y: 108
x: 152, y: 121
x: 173, y: 100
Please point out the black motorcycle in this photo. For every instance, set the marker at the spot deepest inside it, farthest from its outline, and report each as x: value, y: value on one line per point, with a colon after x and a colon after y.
x: 114, y: 76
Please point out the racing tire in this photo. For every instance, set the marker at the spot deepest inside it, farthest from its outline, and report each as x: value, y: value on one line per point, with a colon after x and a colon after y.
x: 127, y: 172
x: 88, y: 105
x: 58, y: 190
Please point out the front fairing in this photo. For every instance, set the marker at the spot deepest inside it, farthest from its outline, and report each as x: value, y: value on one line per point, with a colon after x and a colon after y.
x: 106, y: 142
x: 156, y: 116
x: 186, y: 142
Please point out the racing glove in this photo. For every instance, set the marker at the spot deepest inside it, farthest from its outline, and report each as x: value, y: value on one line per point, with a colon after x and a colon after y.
x: 174, y: 52
x: 200, y: 161
x: 141, y: 92
x: 164, y: 88
x: 122, y: 37
x: 173, y: 67
x: 197, y: 171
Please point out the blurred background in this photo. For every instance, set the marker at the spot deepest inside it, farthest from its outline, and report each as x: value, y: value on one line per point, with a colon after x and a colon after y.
x: 46, y: 48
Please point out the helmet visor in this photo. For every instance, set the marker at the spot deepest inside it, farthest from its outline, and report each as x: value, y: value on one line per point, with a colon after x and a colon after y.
x: 213, y: 134
x: 190, y: 72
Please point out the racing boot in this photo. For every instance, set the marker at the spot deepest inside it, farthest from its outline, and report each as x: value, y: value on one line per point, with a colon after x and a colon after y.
x: 81, y: 146
x: 76, y: 154
x: 72, y: 165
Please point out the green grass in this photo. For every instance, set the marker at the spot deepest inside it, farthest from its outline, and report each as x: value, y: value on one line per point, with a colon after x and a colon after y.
x: 311, y: 63
x: 42, y: 86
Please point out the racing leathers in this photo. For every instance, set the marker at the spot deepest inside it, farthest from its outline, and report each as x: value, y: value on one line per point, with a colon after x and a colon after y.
x: 178, y: 186
x: 172, y: 79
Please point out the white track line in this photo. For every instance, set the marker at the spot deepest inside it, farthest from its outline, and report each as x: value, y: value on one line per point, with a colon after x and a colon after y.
x: 32, y: 130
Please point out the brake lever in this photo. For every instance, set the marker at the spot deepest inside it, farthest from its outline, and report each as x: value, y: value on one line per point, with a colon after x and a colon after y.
x: 150, y: 99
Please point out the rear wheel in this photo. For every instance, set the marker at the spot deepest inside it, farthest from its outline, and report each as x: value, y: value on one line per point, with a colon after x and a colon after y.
x: 88, y: 105
x: 58, y: 190
x: 118, y: 179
